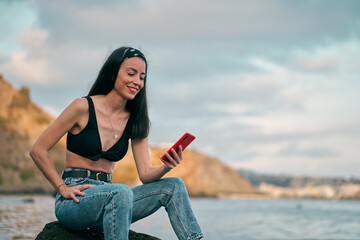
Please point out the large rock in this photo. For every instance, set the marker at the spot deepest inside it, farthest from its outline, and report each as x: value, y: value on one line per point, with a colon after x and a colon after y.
x: 56, y: 231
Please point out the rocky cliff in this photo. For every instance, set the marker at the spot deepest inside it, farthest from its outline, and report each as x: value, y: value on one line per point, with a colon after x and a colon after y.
x: 22, y: 121
x: 343, y: 192
x: 295, y: 181
x: 287, y: 186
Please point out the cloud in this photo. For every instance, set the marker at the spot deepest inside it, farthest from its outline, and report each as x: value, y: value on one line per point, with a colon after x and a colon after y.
x: 201, y: 25
x: 15, y: 17
x: 304, y: 107
x: 30, y: 64
x: 262, y: 84
x: 313, y: 152
x: 22, y: 66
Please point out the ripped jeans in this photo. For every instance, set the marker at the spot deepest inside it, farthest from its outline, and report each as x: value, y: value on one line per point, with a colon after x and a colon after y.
x: 113, y: 207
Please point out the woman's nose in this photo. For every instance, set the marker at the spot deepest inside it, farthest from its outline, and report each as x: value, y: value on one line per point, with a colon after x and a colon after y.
x: 137, y: 81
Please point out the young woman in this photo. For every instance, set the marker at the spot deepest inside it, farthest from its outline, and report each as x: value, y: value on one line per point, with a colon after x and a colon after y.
x: 98, y: 129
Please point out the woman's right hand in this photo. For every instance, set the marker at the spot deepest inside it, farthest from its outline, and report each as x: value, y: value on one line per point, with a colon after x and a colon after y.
x: 71, y: 192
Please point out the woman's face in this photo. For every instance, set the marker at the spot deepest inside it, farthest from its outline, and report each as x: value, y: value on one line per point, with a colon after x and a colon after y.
x: 130, y: 78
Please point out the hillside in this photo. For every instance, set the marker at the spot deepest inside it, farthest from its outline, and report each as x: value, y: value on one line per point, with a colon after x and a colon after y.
x: 289, y: 181
x: 286, y: 186
x: 203, y: 175
x: 22, y: 121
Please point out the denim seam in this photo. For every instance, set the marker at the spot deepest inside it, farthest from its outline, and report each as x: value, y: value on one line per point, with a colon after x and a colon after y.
x: 58, y: 206
x: 62, y: 199
x: 164, y: 191
x: 196, y: 236
x: 100, y: 194
x: 112, y: 216
x: 177, y: 215
x: 71, y: 181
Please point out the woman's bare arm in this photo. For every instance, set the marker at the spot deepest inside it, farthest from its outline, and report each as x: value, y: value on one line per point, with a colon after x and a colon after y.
x: 67, y: 120
x: 148, y: 173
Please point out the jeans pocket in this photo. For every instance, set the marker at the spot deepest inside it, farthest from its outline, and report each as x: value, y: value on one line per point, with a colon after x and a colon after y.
x: 73, y: 181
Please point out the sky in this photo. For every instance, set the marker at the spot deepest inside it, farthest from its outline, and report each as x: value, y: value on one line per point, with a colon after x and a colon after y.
x: 270, y: 86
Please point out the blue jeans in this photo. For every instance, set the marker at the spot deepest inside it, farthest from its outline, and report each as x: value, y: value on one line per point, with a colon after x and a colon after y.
x: 113, y: 207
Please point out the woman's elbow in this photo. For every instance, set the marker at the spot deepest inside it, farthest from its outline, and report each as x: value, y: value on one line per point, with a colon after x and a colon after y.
x: 35, y: 152
x: 143, y: 180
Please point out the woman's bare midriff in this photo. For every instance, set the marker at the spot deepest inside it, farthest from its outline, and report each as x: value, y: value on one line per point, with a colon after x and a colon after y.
x: 74, y: 160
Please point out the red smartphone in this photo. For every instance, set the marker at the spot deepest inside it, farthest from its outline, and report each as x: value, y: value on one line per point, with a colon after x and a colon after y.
x: 184, y: 141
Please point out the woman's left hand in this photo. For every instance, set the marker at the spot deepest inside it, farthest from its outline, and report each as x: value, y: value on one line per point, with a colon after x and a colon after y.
x: 174, y: 160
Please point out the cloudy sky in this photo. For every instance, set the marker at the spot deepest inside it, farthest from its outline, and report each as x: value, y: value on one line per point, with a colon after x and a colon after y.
x: 271, y: 86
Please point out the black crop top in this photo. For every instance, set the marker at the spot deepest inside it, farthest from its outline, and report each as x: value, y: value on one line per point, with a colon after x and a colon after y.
x: 87, y: 143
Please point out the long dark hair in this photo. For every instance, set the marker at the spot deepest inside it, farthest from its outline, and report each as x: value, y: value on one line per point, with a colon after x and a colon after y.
x: 137, y: 107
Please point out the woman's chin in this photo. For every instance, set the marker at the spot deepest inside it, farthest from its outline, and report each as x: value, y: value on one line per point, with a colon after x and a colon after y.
x: 130, y: 97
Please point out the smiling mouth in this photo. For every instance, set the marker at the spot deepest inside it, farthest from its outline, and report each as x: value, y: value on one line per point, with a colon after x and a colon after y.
x: 132, y: 89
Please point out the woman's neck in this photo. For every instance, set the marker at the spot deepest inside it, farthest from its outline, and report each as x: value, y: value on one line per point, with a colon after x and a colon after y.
x: 114, y: 102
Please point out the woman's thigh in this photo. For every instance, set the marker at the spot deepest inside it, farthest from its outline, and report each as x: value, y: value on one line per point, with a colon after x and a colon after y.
x: 90, y: 210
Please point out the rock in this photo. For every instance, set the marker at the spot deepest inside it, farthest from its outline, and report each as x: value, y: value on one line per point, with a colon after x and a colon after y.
x: 56, y: 231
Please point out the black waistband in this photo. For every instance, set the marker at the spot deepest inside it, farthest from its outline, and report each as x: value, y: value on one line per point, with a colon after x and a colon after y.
x: 85, y: 173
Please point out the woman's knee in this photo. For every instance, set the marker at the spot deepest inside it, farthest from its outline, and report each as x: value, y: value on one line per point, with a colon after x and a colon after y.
x: 122, y: 193
x: 176, y: 182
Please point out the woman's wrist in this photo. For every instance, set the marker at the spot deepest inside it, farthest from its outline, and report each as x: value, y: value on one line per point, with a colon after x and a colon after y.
x: 59, y: 186
x: 166, y: 168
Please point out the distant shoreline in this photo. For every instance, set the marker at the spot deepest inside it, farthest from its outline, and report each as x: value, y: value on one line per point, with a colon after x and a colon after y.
x: 27, y: 193
x: 222, y: 197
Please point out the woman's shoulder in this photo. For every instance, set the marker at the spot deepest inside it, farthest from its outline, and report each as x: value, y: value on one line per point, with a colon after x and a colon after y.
x: 80, y: 105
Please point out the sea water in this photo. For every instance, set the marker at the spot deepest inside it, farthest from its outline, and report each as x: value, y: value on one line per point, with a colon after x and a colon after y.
x: 23, y: 217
